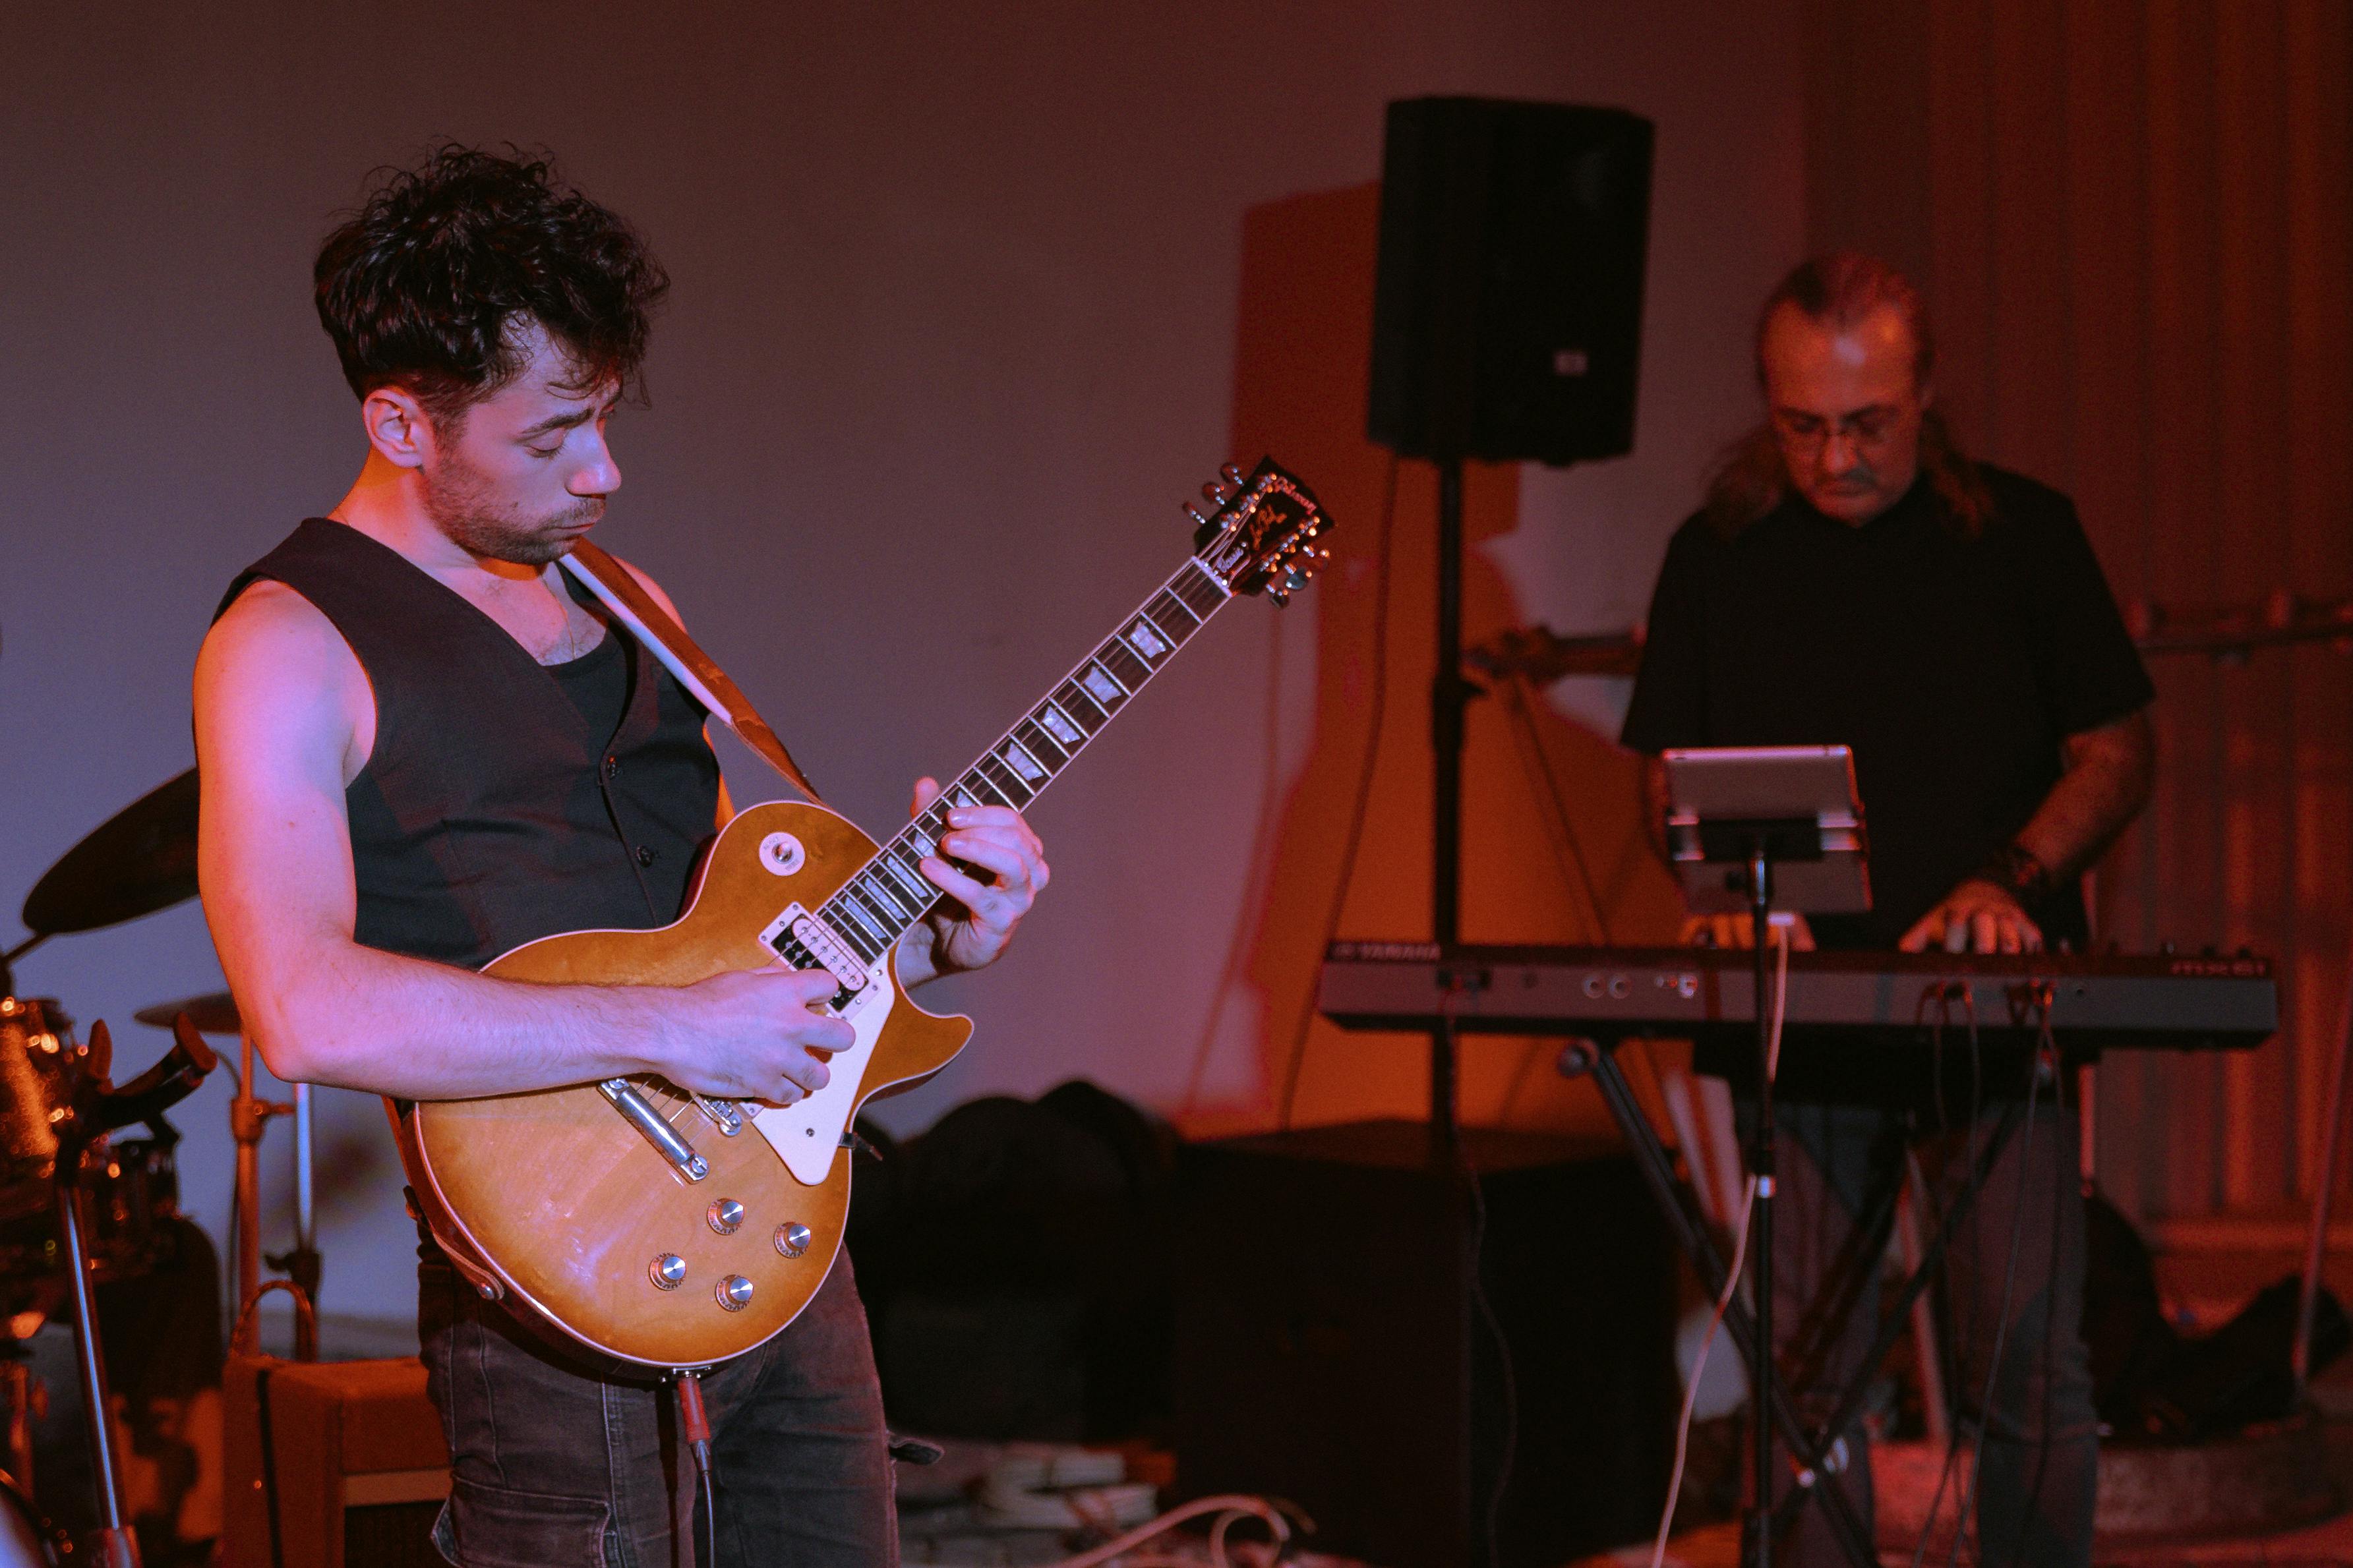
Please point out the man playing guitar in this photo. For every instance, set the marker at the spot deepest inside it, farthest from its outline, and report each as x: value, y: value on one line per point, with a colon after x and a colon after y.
x: 421, y: 747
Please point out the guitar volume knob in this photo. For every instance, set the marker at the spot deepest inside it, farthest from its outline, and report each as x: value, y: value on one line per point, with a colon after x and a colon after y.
x: 734, y: 1292
x: 667, y: 1271
x: 725, y: 1216
x: 792, y: 1238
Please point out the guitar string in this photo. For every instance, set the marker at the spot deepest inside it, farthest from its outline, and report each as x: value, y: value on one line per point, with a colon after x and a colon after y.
x: 1208, y: 594
x: 974, y: 782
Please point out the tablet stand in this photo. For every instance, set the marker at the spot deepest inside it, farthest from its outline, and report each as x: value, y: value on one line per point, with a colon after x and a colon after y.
x: 1744, y: 847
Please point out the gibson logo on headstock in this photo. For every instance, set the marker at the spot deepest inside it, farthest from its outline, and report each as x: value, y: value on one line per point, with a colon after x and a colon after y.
x: 1260, y: 539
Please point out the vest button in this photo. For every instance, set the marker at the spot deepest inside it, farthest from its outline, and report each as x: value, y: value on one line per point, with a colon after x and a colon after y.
x: 612, y: 766
x: 644, y: 855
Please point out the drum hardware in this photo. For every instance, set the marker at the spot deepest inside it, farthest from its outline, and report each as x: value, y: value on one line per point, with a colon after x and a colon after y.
x: 249, y: 1118
x: 306, y: 1319
x: 79, y: 1122
x: 140, y: 859
x: 28, y: 1400
x: 212, y: 1014
x: 57, y: 1165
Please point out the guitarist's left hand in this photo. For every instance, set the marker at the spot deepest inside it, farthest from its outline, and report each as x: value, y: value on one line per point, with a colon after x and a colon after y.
x: 972, y: 927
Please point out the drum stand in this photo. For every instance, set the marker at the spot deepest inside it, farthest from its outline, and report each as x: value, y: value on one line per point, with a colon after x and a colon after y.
x: 249, y: 1118
x: 116, y: 1546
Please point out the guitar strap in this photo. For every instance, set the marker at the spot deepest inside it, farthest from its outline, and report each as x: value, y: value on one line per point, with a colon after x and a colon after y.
x: 703, y: 680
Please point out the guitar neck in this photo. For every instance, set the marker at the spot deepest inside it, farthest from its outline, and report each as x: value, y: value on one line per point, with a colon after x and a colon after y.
x: 889, y: 893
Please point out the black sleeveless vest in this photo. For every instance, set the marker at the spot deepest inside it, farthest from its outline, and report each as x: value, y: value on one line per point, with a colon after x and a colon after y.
x: 488, y: 815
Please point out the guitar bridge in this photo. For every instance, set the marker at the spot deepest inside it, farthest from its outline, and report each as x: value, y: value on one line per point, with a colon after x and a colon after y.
x: 724, y: 1114
x: 640, y: 1113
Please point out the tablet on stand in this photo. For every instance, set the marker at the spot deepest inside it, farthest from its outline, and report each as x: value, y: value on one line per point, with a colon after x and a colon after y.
x: 1754, y: 829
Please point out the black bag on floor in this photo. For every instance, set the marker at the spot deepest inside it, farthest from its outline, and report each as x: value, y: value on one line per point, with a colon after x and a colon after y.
x: 1013, y: 1260
x: 2242, y: 1373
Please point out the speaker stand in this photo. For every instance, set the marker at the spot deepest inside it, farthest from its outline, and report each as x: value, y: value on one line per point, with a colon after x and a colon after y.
x: 1449, y: 696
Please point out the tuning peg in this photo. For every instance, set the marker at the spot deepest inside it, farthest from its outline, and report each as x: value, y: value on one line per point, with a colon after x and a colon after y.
x: 1214, y: 493
x: 1293, y: 579
x: 1188, y: 511
x: 1230, y: 473
x: 1279, y: 594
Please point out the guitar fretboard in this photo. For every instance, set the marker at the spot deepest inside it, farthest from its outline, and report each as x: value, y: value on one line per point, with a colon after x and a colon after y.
x: 889, y: 893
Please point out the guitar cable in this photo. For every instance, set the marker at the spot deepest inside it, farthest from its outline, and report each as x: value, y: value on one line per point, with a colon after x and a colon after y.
x: 694, y: 1429
x: 1775, y: 926
x: 1954, y: 1335
x: 2001, y: 1326
x: 2043, y: 1043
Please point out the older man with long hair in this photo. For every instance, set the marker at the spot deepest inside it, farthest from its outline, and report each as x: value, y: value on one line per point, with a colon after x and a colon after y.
x: 1852, y: 578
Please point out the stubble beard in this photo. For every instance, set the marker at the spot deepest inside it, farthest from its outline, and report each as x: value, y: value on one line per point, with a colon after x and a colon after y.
x: 461, y: 504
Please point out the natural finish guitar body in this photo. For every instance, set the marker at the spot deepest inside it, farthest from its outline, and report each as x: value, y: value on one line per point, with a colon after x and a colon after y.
x: 567, y: 1206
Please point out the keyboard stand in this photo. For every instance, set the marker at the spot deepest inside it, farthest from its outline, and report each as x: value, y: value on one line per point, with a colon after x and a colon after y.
x: 1809, y: 1447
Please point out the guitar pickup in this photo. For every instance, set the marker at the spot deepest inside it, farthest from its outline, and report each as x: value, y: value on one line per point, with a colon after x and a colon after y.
x: 805, y: 942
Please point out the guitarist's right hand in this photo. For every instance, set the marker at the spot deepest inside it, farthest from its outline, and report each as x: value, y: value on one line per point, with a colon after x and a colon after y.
x: 754, y: 1034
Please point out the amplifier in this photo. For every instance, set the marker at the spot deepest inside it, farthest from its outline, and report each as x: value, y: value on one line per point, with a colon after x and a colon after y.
x: 330, y: 1465
x: 1329, y: 1349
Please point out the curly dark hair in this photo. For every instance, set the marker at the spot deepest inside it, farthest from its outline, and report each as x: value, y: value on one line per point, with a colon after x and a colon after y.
x: 424, y: 286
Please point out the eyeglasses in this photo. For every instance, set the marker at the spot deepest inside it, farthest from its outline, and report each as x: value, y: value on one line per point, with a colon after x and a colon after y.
x: 1802, y: 432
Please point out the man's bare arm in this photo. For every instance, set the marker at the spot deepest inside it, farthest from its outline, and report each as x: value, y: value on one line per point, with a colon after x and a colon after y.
x: 275, y: 692
x: 2107, y: 782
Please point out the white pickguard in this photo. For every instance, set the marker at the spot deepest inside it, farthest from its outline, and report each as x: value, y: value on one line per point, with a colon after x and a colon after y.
x: 807, y: 1134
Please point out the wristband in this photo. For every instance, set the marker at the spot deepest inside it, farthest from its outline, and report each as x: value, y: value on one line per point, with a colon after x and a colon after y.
x: 2016, y: 871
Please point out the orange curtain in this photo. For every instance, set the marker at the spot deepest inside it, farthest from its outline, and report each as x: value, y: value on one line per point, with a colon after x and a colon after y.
x: 2133, y: 219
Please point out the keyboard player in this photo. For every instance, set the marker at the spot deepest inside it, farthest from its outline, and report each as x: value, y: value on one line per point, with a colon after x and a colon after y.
x: 1852, y: 578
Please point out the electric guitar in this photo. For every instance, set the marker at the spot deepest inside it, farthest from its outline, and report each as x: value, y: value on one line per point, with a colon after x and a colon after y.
x: 663, y: 1228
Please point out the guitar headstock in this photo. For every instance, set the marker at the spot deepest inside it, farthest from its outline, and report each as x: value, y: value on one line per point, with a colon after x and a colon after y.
x: 1260, y: 539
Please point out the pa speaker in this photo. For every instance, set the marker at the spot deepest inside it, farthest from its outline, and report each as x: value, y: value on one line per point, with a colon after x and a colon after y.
x: 1422, y: 1367
x: 1508, y: 310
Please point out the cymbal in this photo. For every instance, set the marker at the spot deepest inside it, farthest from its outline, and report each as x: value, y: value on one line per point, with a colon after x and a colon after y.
x: 213, y: 1015
x: 140, y: 859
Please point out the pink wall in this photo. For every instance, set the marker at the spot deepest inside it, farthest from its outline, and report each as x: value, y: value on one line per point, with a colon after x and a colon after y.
x: 953, y: 330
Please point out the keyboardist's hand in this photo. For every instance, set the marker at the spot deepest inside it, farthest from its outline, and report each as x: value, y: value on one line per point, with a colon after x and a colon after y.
x: 1976, y: 917
x: 1733, y: 931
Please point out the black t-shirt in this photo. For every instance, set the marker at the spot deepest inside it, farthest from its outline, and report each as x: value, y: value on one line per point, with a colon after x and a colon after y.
x: 1953, y: 667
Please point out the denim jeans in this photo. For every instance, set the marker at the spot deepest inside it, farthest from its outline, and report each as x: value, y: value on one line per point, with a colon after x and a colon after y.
x: 556, y: 1464
x: 2014, y: 1277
